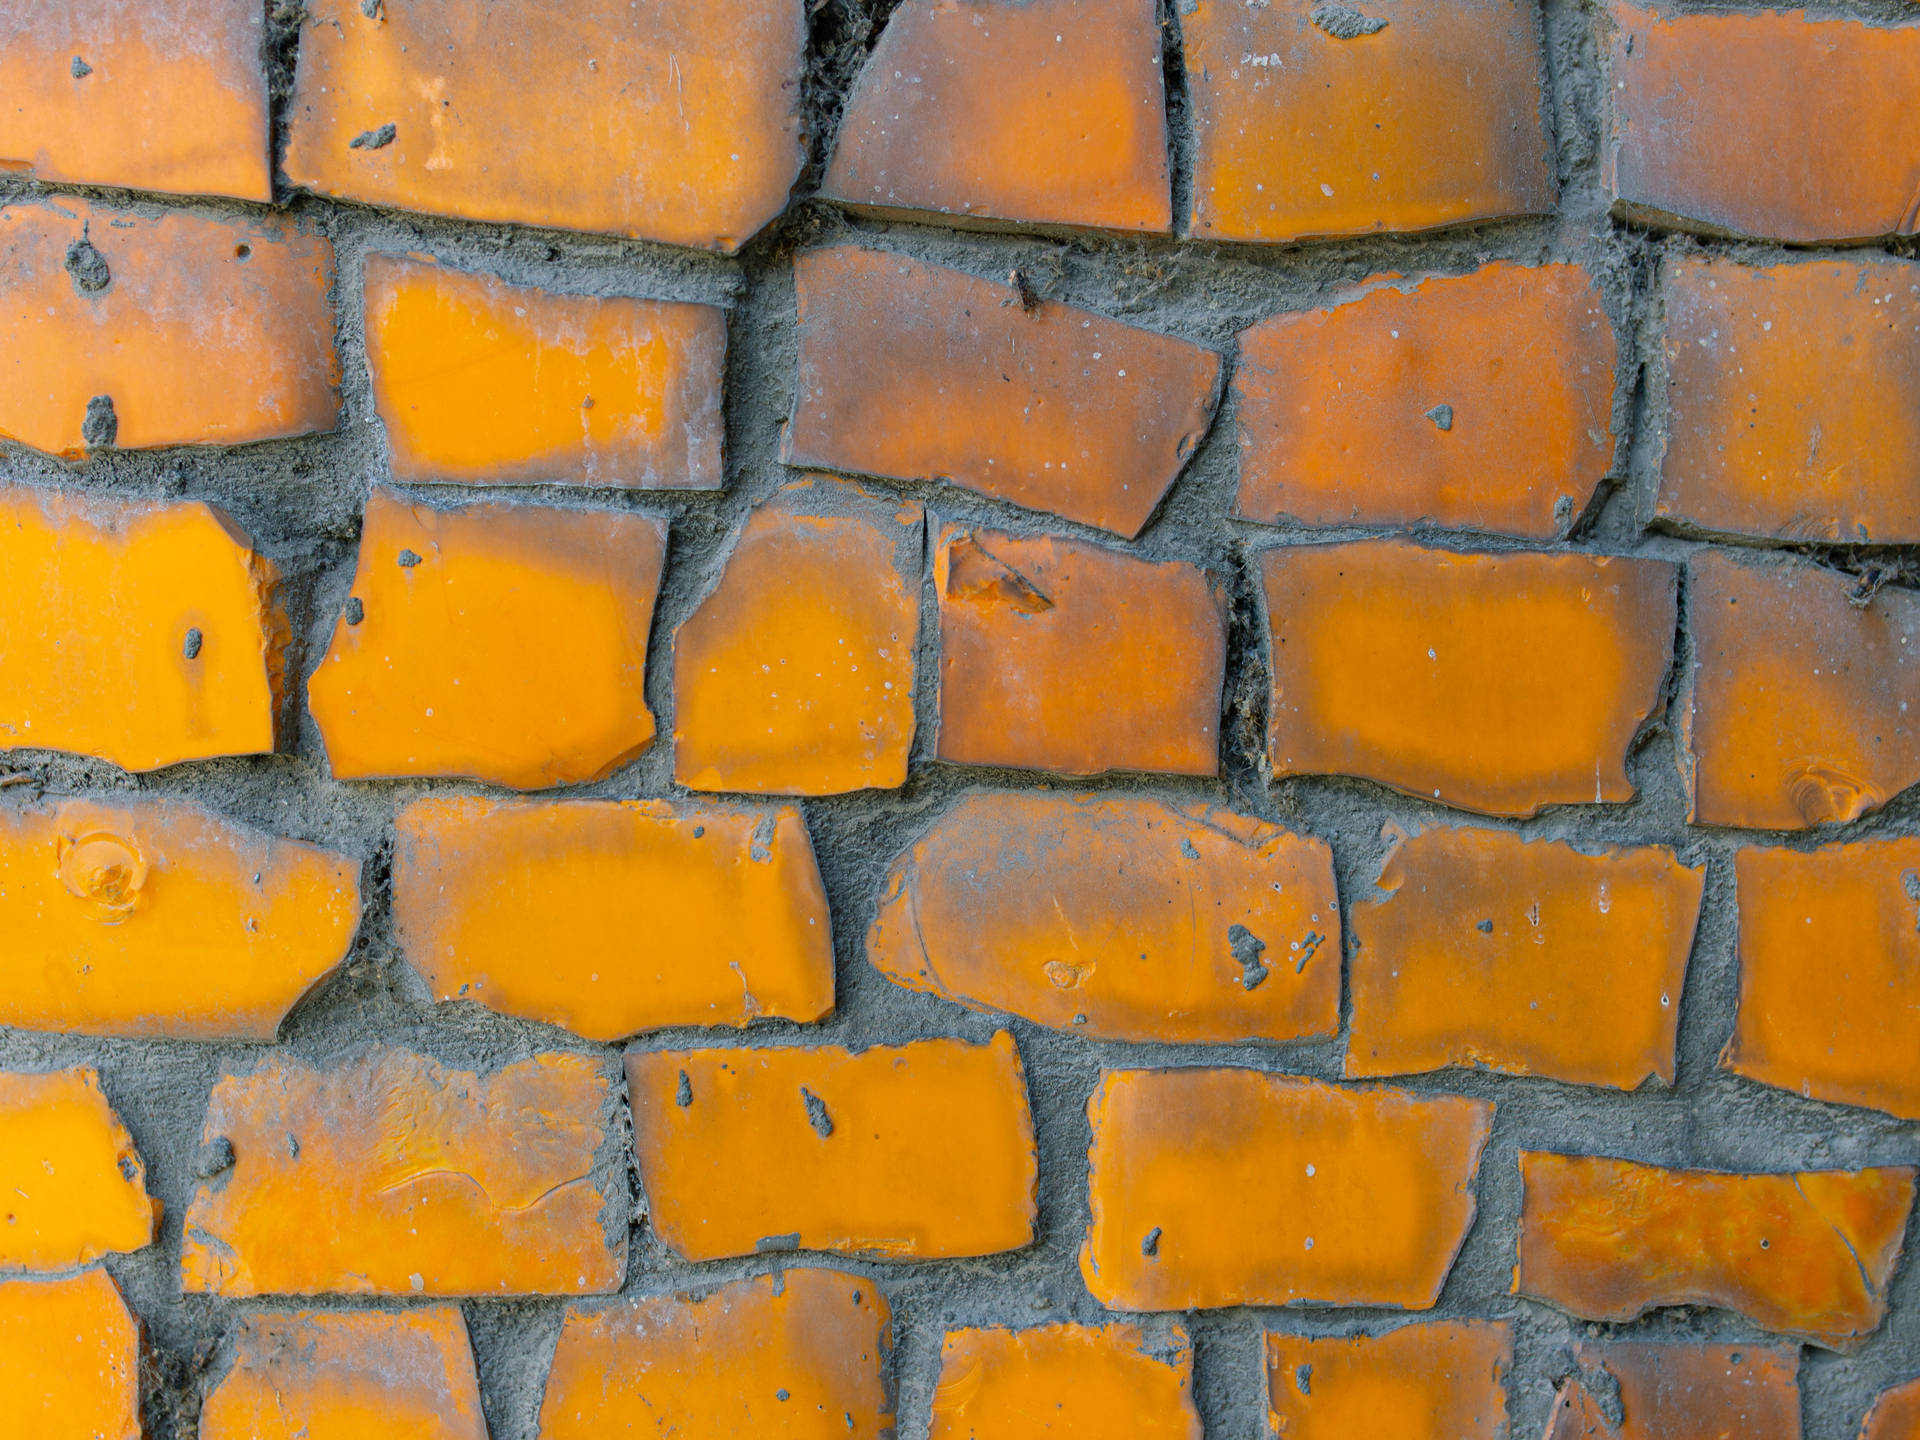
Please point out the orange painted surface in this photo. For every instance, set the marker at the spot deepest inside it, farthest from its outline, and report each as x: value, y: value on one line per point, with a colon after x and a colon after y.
x: 613, y: 917
x: 919, y: 372
x: 1446, y: 1379
x: 1829, y: 956
x: 1048, y: 112
x: 1058, y: 655
x: 72, y: 1187
x: 144, y: 632
x: 157, y: 918
x: 1679, y: 1392
x: 164, y: 99
x: 916, y: 1151
x: 800, y: 1355
x: 1698, y: 99
x: 190, y: 330
x: 659, y: 119
x: 503, y: 642
x: 1808, y: 1255
x: 1065, y: 1382
x: 1895, y: 1414
x: 348, y: 1375
x: 795, y: 675
x: 69, y: 1360
x: 1798, y: 711
x: 1493, y: 682
x: 1476, y: 402
x: 1117, y: 918
x: 1523, y: 956
x: 1787, y: 400
x: 1233, y: 1187
x: 1432, y: 120
x: 478, y: 380
x: 391, y: 1174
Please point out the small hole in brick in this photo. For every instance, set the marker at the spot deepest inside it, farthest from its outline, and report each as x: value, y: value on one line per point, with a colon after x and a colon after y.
x: 243, y: 252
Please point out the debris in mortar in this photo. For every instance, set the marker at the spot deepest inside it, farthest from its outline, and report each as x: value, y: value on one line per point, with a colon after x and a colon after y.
x: 215, y: 1158
x: 1024, y: 295
x: 356, y: 612
x: 100, y: 427
x: 1343, y: 22
x: 374, y: 139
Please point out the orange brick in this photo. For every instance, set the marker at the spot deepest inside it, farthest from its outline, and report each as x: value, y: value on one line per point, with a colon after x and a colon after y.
x: 161, y: 330
x: 1443, y: 1379
x: 477, y: 380
x: 922, y: 1150
x: 1477, y: 402
x: 918, y: 372
x: 1431, y: 119
x: 1049, y: 112
x: 503, y: 642
x: 1118, y: 918
x: 1523, y: 956
x: 104, y: 93
x: 1057, y: 655
x: 1678, y: 1392
x: 795, y: 675
x: 157, y: 918
x: 75, y: 1188
x: 345, y: 1375
x: 1807, y: 1255
x: 799, y: 1355
x: 391, y: 1174
x: 1493, y: 682
x: 1895, y: 1414
x: 1796, y: 710
x: 671, y: 121
x: 1233, y: 1187
x: 1065, y: 1382
x: 1830, y: 973
x: 1787, y: 409
x: 143, y: 632
x: 1770, y: 124
x: 69, y: 1360
x: 611, y: 917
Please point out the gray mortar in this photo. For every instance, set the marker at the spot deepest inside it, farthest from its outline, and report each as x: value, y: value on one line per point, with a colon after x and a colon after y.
x: 301, y: 499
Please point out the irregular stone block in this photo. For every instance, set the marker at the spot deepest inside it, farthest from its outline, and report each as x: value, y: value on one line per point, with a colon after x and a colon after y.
x: 1445, y: 1378
x: 1895, y: 1414
x: 1632, y: 1390
x: 73, y: 1184
x: 1065, y: 1382
x: 69, y: 1359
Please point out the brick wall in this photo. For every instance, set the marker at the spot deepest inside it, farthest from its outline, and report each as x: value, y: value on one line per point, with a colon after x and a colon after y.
x: 984, y: 718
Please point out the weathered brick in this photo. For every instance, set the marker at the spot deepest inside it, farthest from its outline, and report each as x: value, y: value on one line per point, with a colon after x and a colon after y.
x: 800, y: 1354
x: 99, y: 92
x: 795, y: 675
x: 1493, y: 682
x: 916, y: 372
x: 1788, y: 410
x: 1049, y: 112
x: 391, y: 1174
x: 157, y: 918
x: 1634, y: 1390
x: 143, y: 632
x: 1431, y: 118
x: 477, y: 380
x: 161, y: 330
x: 1795, y: 713
x: 74, y: 1187
x: 69, y: 1360
x: 1808, y: 1254
x: 1770, y: 124
x: 1529, y: 957
x: 1057, y: 655
x: 671, y: 121
x: 503, y: 642
x: 612, y: 917
x: 1830, y: 973
x: 1895, y: 1414
x: 922, y: 1150
x: 1118, y: 918
x: 340, y: 1375
x: 1233, y: 1187
x: 1442, y: 1379
x: 1065, y: 1382
x: 1477, y: 402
